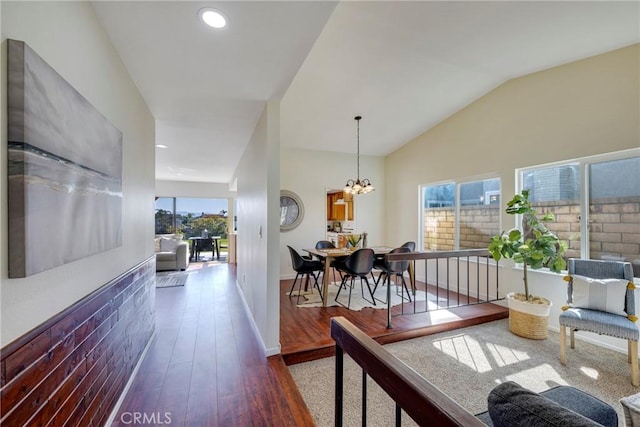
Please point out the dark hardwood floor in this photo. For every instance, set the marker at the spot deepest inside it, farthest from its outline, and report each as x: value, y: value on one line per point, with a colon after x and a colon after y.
x: 305, y: 335
x: 205, y: 367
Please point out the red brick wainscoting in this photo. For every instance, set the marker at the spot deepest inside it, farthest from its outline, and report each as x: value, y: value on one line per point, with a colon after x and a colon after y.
x: 71, y: 369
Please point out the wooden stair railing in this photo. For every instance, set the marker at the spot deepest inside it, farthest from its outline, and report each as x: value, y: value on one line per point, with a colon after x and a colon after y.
x: 420, y: 399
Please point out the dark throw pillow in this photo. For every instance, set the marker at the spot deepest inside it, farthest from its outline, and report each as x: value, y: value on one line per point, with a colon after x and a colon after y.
x: 511, y: 405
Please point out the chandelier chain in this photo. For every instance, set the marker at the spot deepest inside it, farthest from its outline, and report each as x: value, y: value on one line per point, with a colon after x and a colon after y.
x: 357, y: 186
x: 358, y: 145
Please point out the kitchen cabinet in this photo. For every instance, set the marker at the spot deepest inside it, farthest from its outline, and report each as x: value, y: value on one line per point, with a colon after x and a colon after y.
x: 339, y: 212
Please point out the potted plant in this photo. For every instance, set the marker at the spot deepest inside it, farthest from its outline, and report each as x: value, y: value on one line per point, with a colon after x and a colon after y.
x: 353, y: 240
x: 535, y: 246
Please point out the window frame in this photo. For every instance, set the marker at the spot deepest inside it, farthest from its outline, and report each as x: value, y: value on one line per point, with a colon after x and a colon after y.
x: 456, y: 182
x: 583, y: 181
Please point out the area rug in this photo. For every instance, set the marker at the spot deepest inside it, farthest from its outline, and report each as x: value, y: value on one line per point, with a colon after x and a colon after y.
x: 312, y: 298
x: 169, y: 279
x: 466, y: 364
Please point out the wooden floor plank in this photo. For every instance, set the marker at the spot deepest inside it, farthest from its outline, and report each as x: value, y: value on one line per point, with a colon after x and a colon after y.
x: 305, y: 335
x: 207, y: 368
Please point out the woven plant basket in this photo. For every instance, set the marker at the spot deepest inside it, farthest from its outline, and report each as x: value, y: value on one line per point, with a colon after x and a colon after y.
x: 528, y: 320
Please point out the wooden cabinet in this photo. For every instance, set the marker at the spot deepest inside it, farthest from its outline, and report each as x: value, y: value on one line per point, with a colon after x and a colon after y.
x: 339, y: 212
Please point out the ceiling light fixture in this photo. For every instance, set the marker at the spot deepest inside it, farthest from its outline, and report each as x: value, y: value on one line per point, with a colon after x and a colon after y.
x: 358, y: 186
x: 161, y: 146
x: 213, y: 18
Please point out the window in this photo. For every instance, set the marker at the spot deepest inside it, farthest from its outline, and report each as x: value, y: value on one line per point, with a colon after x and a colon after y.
x: 614, y: 214
x: 191, y: 216
x: 556, y: 189
x: 460, y: 215
x: 596, y: 203
x: 165, y: 218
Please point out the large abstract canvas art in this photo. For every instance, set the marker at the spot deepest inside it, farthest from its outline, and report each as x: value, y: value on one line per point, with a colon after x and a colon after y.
x: 65, y: 169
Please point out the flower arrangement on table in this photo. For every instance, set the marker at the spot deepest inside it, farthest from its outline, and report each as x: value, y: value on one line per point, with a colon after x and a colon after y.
x: 353, y: 240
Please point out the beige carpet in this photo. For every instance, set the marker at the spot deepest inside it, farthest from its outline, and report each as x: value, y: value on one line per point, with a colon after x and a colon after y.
x: 466, y: 364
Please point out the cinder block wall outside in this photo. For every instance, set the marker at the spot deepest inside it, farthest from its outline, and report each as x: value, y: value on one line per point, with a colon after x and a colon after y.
x: 614, y: 227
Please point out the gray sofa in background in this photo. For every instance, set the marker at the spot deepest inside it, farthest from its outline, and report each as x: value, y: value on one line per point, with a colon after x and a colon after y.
x: 172, y: 253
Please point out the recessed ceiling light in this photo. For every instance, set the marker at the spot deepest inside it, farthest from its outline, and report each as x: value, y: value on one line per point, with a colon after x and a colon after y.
x: 161, y: 146
x: 213, y: 18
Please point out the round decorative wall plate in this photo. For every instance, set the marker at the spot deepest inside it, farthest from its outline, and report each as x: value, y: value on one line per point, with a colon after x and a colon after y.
x: 291, y: 210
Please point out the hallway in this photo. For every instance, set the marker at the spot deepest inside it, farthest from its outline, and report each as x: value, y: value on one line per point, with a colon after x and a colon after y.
x: 205, y: 367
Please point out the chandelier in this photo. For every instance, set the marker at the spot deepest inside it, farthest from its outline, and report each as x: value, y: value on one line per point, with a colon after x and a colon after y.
x: 358, y: 186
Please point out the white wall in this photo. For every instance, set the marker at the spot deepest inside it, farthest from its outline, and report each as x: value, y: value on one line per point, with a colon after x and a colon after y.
x: 67, y: 35
x: 193, y: 189
x: 259, y: 225
x: 579, y: 109
x: 308, y: 174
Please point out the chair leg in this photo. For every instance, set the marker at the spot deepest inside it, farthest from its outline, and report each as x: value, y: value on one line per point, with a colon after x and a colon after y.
x: 375, y: 288
x: 563, y: 345
x: 633, y: 354
x: 315, y: 283
x: 573, y: 338
x: 353, y: 278
x: 382, y: 273
x: 294, y: 284
x: 342, y: 283
x: 404, y: 285
x: 299, y: 287
x: 373, y: 300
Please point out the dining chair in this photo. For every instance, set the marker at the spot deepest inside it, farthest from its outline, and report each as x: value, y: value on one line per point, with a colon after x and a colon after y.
x: 595, y: 304
x: 379, y: 264
x: 321, y: 244
x: 393, y: 268
x: 325, y: 244
x: 410, y: 245
x: 357, y: 265
x: 202, y: 245
x: 304, y: 268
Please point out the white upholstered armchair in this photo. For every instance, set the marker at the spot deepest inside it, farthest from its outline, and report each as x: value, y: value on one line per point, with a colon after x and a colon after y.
x: 601, y: 299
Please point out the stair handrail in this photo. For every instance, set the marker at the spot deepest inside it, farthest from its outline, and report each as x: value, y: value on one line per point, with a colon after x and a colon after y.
x: 421, y: 400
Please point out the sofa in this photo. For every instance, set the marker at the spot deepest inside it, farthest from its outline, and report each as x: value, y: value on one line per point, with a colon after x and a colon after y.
x: 172, y: 253
x: 511, y: 405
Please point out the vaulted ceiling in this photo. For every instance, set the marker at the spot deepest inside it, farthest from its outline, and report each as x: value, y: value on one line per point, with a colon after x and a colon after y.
x: 403, y: 66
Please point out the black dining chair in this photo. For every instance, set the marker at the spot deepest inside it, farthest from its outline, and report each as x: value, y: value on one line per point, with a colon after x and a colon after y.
x: 410, y: 245
x: 379, y: 264
x: 357, y: 265
x: 304, y: 267
x: 394, y: 268
x: 325, y: 244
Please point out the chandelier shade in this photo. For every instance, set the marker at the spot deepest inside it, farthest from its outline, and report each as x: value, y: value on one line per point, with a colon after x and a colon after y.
x: 358, y: 186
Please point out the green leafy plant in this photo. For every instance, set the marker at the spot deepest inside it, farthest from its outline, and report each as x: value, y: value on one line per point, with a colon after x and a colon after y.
x: 354, y: 239
x: 535, y: 245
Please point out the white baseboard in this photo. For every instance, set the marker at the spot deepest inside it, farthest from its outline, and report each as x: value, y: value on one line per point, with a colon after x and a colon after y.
x: 267, y: 351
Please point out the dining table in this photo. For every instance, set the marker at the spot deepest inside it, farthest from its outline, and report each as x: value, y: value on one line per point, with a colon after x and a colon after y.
x: 330, y: 254
x: 197, y: 243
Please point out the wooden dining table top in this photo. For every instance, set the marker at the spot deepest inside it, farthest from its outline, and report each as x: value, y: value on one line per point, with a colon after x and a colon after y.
x: 339, y: 252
